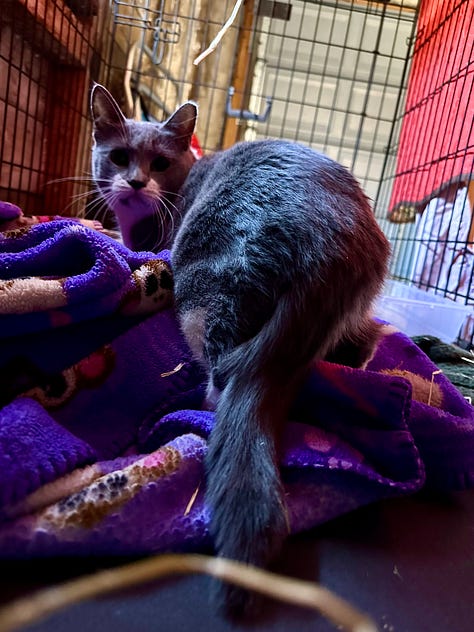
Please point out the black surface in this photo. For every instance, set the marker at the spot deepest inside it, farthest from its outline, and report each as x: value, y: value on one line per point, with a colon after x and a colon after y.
x: 408, y: 562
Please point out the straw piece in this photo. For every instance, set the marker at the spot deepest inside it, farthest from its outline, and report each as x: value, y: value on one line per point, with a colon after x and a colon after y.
x: 192, y: 500
x: 215, y: 42
x: 35, y: 607
x: 173, y: 371
x: 431, y: 385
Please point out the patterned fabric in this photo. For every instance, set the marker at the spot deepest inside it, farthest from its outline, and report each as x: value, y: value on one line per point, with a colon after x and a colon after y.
x: 102, y: 436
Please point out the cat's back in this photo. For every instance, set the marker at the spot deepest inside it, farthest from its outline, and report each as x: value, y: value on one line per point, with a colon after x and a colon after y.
x: 254, y: 164
x: 276, y: 179
x: 272, y: 188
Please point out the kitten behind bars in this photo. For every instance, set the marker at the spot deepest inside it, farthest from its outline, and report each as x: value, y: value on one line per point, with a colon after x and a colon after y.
x: 139, y: 167
x: 276, y: 261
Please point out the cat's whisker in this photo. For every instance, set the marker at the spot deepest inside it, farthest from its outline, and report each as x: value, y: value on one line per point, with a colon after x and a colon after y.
x: 111, y: 198
x: 164, y: 194
x: 97, y: 209
x: 86, y: 181
x: 162, y: 211
x: 99, y: 206
x: 79, y: 179
x: 69, y: 206
x: 77, y: 198
x: 158, y: 206
x: 173, y: 193
x: 167, y: 203
x: 82, y: 195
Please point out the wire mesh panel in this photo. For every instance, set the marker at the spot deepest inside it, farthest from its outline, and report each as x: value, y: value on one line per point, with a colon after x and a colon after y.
x: 327, y: 73
x: 45, y: 54
x: 331, y: 71
x: 151, y: 68
x: 335, y: 72
x: 427, y: 189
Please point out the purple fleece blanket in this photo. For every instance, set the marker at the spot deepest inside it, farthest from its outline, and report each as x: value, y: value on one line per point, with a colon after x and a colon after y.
x: 102, y: 436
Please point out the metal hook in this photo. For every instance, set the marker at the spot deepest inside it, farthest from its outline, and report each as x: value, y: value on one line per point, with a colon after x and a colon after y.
x: 246, y: 114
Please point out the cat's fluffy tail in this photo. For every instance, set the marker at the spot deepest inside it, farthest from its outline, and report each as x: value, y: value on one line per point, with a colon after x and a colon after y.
x: 244, y: 491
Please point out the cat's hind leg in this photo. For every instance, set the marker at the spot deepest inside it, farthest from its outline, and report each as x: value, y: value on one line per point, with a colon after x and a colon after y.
x: 357, y: 347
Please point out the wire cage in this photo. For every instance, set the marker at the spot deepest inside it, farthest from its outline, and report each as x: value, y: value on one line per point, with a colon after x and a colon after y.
x: 426, y: 195
x: 47, y: 56
x: 328, y: 74
x: 382, y: 86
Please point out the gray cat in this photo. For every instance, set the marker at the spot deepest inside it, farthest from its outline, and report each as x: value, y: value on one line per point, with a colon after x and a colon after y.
x: 276, y: 260
x: 139, y: 168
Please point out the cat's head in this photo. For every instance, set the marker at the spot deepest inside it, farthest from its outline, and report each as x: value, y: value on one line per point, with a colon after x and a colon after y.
x: 139, y: 168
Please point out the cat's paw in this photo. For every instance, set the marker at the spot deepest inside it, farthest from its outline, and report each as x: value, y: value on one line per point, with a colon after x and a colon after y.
x: 153, y: 289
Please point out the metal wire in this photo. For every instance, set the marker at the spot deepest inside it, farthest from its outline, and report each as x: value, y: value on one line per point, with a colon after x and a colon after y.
x: 427, y: 180
x: 44, y: 52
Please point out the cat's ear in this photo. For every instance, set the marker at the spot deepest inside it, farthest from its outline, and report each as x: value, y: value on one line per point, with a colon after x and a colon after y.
x: 108, y: 120
x: 181, y: 124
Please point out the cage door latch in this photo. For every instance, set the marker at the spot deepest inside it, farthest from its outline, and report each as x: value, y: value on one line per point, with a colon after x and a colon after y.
x: 246, y: 115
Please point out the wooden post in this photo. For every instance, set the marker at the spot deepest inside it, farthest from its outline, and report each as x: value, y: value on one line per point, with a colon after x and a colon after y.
x: 241, y: 77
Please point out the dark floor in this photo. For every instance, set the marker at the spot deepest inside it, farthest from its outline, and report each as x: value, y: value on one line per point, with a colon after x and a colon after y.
x: 407, y: 562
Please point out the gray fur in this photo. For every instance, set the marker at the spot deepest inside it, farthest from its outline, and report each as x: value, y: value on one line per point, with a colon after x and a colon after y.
x: 278, y: 246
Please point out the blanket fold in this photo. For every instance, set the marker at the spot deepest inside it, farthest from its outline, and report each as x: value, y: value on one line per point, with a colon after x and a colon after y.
x: 102, y: 435
x: 28, y: 435
x: 61, y: 272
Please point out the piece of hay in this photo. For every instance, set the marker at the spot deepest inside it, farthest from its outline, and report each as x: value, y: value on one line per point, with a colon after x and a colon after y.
x: 30, y: 609
x: 215, y: 42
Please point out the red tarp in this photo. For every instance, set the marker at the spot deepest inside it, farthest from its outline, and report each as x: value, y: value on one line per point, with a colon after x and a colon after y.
x: 437, y: 136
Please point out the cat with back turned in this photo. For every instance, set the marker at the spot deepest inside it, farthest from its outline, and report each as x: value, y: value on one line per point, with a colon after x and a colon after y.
x: 277, y: 259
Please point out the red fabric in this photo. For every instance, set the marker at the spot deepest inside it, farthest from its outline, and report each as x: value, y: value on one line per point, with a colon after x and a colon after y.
x: 196, y: 147
x: 437, y: 135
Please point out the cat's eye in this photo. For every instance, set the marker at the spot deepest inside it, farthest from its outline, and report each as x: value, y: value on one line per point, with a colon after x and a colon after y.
x: 120, y: 157
x: 160, y: 163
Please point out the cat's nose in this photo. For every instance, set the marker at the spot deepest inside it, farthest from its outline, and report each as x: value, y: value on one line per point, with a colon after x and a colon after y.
x: 136, y: 184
